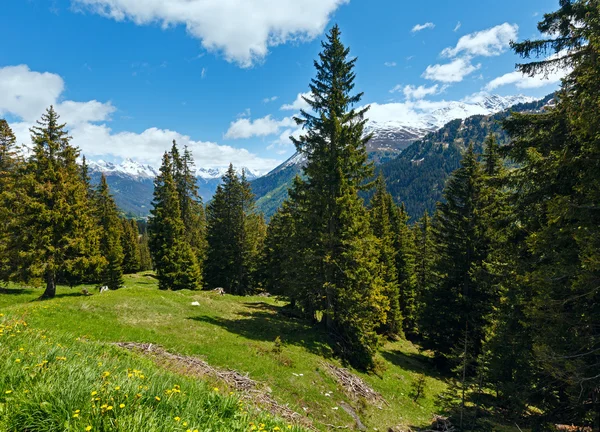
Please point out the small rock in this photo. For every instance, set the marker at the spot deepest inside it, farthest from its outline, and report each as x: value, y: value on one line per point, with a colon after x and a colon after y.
x: 195, y: 303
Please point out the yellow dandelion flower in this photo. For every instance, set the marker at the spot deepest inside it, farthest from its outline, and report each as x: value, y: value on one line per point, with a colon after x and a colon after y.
x: 276, y: 428
x: 88, y: 428
x: 18, y: 361
x: 216, y: 389
x: 289, y: 426
x: 75, y: 415
x: 122, y: 406
x: 117, y: 388
x: 8, y: 392
x: 185, y: 424
x: 177, y: 419
x: 109, y: 408
x: 157, y: 398
x: 94, y: 393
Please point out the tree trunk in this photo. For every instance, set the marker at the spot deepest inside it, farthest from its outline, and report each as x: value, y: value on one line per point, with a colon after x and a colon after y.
x: 50, y: 286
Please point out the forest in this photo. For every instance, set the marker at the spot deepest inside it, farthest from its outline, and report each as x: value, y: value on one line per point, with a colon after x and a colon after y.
x: 500, y: 283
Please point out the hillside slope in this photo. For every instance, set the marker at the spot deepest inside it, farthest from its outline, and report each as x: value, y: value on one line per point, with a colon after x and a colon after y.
x: 236, y: 333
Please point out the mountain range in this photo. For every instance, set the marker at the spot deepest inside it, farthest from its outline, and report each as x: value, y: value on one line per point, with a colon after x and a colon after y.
x: 392, y: 142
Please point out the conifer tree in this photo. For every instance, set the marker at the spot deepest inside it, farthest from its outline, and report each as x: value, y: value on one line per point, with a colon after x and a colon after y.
x: 455, y: 299
x: 235, y: 236
x: 54, y: 229
x: 131, y: 246
x: 340, y: 262
x: 404, y: 244
x: 425, y: 256
x: 145, y: 255
x: 110, y: 237
x: 557, y: 191
x: 174, y: 260
x: 382, y: 209
x: 8, y: 167
x: 190, y: 202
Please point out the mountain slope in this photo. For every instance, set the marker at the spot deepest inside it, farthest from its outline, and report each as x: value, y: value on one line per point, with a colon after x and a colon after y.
x: 392, y: 144
x: 417, y: 177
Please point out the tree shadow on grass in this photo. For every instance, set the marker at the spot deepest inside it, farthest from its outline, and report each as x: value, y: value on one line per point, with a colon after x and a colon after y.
x: 418, y: 363
x: 16, y: 291
x: 262, y: 323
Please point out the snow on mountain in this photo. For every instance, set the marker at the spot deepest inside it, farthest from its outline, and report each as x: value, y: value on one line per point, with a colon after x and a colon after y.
x: 131, y: 168
x: 128, y: 167
x: 395, y: 129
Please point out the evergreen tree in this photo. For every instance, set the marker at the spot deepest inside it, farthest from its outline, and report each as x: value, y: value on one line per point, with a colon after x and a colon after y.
x: 404, y: 244
x: 556, y: 195
x: 425, y: 256
x: 190, y: 203
x: 110, y: 237
x: 382, y: 209
x: 131, y: 247
x: 455, y: 299
x: 8, y: 167
x: 235, y: 236
x: 54, y: 229
x: 174, y: 260
x: 340, y: 261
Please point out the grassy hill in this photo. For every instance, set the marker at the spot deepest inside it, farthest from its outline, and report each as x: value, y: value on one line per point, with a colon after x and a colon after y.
x: 229, y: 333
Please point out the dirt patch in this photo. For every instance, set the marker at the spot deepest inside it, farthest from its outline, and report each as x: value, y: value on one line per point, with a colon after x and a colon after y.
x: 252, y: 391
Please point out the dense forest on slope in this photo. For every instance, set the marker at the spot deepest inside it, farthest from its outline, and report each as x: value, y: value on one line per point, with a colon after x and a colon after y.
x: 418, y: 175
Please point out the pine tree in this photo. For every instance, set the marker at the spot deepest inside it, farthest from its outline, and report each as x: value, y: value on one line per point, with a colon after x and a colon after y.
x: 558, y: 185
x: 340, y: 260
x: 235, y: 236
x: 404, y: 244
x: 54, y: 229
x: 8, y: 168
x: 455, y: 299
x: 190, y: 203
x: 175, y: 262
x: 425, y: 256
x: 110, y: 238
x: 130, y: 243
x: 382, y: 209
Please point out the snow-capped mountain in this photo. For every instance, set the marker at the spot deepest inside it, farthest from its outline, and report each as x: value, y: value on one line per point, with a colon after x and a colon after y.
x: 136, y: 170
x: 393, y: 135
x: 128, y: 167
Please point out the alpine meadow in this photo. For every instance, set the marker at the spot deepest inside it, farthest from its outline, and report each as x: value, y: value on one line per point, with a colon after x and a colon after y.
x: 397, y: 249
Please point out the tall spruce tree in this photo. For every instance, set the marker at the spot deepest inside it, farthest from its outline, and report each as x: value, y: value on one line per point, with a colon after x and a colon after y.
x: 190, y: 202
x: 341, y: 266
x: 235, y: 236
x: 8, y: 167
x: 404, y: 244
x: 558, y: 185
x: 455, y: 306
x: 54, y: 228
x: 425, y: 256
x: 174, y: 260
x: 130, y: 243
x: 381, y: 211
x: 110, y: 237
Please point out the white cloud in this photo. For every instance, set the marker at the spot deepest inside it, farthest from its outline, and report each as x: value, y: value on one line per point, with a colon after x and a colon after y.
x: 419, y: 27
x: 270, y: 99
x: 390, y: 64
x: 523, y: 81
x: 25, y: 95
x: 490, y: 42
x: 452, y: 72
x: 265, y: 126
x: 298, y: 104
x: 413, y: 92
x: 242, y: 31
x: 458, y: 26
x: 203, y: 73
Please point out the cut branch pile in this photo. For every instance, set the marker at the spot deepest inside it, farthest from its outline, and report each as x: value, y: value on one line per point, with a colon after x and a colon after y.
x: 353, y: 385
x: 251, y: 390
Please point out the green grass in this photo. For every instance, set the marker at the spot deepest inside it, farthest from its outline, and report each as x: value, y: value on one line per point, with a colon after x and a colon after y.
x: 229, y: 332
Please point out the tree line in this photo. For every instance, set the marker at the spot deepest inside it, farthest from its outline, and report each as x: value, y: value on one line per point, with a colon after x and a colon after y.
x: 56, y: 226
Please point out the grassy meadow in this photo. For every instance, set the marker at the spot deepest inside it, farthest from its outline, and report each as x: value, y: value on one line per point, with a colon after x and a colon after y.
x: 60, y: 370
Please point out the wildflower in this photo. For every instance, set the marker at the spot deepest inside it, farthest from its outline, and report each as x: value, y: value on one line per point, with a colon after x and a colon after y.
x: 106, y: 374
x: 109, y: 408
x: 157, y: 398
x: 122, y: 406
x: 18, y: 361
x: 77, y: 411
x: 216, y: 389
x: 138, y: 395
x: 177, y: 419
x: 117, y: 388
x: 94, y: 393
x: 88, y: 428
x: 276, y: 428
x: 185, y: 424
x: 8, y: 392
x: 75, y: 415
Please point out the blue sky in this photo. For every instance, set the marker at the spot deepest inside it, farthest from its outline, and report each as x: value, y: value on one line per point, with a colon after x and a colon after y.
x: 131, y: 75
